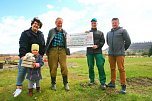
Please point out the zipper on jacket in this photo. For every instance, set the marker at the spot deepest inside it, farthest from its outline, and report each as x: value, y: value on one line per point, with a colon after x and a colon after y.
x: 112, y: 41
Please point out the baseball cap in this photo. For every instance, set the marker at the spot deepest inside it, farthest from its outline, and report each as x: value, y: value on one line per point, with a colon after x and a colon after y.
x: 94, y: 19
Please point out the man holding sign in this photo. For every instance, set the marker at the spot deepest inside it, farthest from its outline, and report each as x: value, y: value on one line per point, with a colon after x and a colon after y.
x: 95, y: 53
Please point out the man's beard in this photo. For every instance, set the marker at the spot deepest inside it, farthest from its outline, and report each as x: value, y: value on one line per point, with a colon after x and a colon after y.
x: 59, y: 28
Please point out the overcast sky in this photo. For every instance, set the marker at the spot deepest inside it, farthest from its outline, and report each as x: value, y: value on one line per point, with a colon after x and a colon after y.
x: 16, y: 16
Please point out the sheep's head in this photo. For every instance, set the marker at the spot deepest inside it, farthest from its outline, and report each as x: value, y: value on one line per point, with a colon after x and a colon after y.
x: 29, y: 56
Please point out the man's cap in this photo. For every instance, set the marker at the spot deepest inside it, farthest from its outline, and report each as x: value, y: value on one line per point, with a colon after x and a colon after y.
x: 35, y: 47
x: 94, y: 19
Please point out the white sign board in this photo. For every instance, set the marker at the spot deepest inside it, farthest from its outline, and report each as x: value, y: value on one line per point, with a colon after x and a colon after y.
x: 80, y: 40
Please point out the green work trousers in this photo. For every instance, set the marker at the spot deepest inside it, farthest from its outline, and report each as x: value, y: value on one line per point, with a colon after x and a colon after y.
x: 91, y: 58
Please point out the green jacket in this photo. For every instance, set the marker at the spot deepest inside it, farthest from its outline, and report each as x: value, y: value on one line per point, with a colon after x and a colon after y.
x: 99, y: 40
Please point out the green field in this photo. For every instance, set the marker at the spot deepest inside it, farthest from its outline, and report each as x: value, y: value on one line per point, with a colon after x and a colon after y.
x: 139, y: 83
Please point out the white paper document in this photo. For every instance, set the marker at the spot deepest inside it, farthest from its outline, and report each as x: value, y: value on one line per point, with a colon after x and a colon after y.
x: 80, y: 40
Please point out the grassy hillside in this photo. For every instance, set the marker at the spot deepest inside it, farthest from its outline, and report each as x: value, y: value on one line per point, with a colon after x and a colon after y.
x: 140, y: 47
x: 139, y: 87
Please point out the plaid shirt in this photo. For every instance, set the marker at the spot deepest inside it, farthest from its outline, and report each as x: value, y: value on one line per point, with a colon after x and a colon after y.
x: 58, y: 40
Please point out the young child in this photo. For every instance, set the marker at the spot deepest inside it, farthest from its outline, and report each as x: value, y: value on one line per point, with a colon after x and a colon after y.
x: 34, y: 74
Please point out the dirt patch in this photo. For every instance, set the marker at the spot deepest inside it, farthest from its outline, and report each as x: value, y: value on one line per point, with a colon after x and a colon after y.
x: 140, y: 81
x: 74, y: 76
x: 86, y: 84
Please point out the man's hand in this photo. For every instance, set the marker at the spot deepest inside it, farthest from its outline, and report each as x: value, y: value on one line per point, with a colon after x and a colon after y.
x: 94, y: 46
x: 86, y: 31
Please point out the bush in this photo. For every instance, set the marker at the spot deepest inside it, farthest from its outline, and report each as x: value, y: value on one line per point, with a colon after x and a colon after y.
x: 150, y: 51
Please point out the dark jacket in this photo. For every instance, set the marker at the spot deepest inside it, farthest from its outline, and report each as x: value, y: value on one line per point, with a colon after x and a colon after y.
x: 99, y: 40
x: 50, y: 37
x: 28, y: 37
x: 35, y: 73
x: 118, y: 41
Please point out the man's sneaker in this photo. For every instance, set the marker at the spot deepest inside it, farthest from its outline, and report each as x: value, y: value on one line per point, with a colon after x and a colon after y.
x: 103, y: 86
x: 53, y: 87
x: 111, y: 85
x: 17, y: 92
x: 91, y: 83
x: 123, y: 89
x: 66, y: 87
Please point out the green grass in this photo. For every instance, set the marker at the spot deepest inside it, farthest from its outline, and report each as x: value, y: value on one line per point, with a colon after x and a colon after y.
x: 78, y: 78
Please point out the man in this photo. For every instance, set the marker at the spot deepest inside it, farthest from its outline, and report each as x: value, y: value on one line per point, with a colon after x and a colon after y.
x: 95, y: 53
x: 118, y: 41
x: 28, y: 37
x: 56, y: 52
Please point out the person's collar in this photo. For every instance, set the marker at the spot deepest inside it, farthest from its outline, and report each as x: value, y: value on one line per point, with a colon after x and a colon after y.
x: 93, y: 29
x: 34, y: 33
x: 113, y: 29
x: 32, y: 30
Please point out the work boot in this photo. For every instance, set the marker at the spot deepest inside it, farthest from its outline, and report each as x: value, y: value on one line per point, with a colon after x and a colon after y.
x: 66, y: 87
x: 53, y: 82
x: 65, y: 82
x: 65, y: 79
x: 53, y: 87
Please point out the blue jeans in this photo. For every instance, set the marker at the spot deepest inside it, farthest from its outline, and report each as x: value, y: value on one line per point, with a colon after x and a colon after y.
x: 21, y: 74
